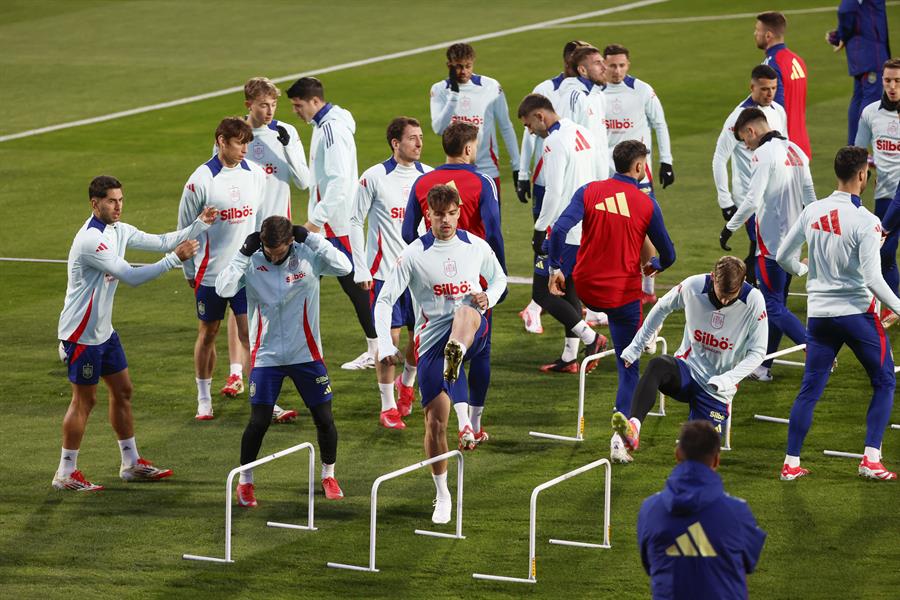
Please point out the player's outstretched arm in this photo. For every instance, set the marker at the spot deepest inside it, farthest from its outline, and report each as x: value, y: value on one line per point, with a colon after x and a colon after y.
x: 232, y: 278
x: 165, y: 242
x: 109, y: 262
x: 329, y: 260
x: 673, y: 300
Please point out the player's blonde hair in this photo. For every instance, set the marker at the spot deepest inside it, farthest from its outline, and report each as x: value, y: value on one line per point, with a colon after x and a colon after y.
x: 729, y: 273
x: 260, y: 87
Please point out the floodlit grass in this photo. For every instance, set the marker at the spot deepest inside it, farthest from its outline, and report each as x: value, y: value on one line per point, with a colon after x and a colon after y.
x: 832, y: 535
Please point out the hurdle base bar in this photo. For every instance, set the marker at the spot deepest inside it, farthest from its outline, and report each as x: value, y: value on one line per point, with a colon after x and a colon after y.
x: 789, y: 363
x: 502, y: 578
x: 578, y: 544
x: 439, y: 534
x: 205, y: 558
x: 839, y: 454
x: 335, y: 565
x: 290, y: 526
x: 895, y: 426
x: 553, y: 436
x: 769, y: 419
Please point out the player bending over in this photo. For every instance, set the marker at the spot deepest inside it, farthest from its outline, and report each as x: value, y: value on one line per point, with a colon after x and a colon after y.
x: 725, y: 333
x: 92, y: 347
x: 844, y: 280
x: 280, y: 268
x: 442, y: 270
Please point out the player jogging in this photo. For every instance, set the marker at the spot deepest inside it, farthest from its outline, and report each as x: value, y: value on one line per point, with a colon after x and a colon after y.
x: 334, y: 178
x: 279, y: 267
x: 725, y: 336
x: 780, y: 186
x: 843, y: 280
x: 763, y: 83
x: 381, y: 200
x: 236, y: 187
x: 442, y: 270
x: 96, y: 265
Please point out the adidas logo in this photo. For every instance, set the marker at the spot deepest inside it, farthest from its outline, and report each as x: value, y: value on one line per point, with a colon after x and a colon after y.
x: 830, y: 223
x: 261, y: 268
x: 692, y: 543
x: 101, y: 247
x: 617, y: 205
x: 797, y: 71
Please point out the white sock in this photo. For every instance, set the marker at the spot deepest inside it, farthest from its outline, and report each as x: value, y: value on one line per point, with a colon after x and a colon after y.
x: 327, y: 470
x: 873, y: 454
x: 408, y: 378
x: 584, y: 331
x: 440, y: 484
x: 637, y: 423
x: 792, y: 461
x: 276, y: 409
x: 475, y: 417
x: 387, y: 396
x: 203, y: 386
x: 68, y: 462
x: 246, y: 476
x: 462, y: 414
x: 372, y: 346
x: 237, y: 369
x: 130, y: 455
x: 648, y: 284
x: 570, y: 350
x: 533, y: 307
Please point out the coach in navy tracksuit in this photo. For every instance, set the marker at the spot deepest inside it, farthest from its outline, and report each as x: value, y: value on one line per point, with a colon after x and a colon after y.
x: 697, y: 541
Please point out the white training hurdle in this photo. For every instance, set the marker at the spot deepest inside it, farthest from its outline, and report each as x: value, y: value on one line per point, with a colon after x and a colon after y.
x: 839, y: 454
x: 784, y: 352
x: 310, y: 526
x: 895, y: 426
x: 532, y: 561
x: 374, y: 511
x: 582, y: 376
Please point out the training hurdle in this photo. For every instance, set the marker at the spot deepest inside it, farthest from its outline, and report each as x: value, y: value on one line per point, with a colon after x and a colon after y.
x: 895, y: 426
x: 532, y: 524
x: 784, y: 352
x: 229, y: 504
x: 374, y: 511
x: 582, y: 376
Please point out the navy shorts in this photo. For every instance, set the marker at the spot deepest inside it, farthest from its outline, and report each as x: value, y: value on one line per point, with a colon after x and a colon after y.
x: 703, y: 406
x: 211, y: 306
x: 342, y: 243
x: 430, y: 373
x: 402, y: 312
x: 310, y: 379
x: 567, y: 261
x: 88, y: 363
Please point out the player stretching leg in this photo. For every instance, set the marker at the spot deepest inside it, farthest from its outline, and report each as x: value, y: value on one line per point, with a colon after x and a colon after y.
x: 442, y: 270
x: 725, y: 335
x: 844, y: 280
x: 381, y: 200
x: 280, y: 267
x: 92, y: 347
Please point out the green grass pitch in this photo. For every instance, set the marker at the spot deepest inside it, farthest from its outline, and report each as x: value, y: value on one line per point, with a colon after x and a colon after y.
x: 832, y: 535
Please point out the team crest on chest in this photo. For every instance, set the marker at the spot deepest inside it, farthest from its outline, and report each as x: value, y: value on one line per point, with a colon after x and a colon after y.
x: 293, y: 263
x: 450, y: 269
x: 259, y: 151
x: 717, y: 320
x: 465, y: 103
x: 87, y: 370
x: 893, y: 129
x: 234, y: 193
x: 616, y: 106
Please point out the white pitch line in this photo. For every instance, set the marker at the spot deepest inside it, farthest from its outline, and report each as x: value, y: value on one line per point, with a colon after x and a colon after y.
x: 696, y: 19
x: 332, y: 69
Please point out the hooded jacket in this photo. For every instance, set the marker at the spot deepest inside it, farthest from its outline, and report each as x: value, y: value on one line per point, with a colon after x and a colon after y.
x: 696, y: 541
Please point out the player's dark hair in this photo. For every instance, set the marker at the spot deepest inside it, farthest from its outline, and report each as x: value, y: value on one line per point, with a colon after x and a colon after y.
x: 456, y: 136
x: 570, y: 47
x: 849, y: 161
x: 625, y: 153
x: 235, y: 127
x: 699, y: 441
x: 440, y: 197
x: 729, y: 273
x: 276, y: 231
x: 533, y: 102
x: 396, y: 128
x: 307, y: 88
x: 774, y: 22
x: 579, y: 55
x: 102, y: 184
x: 748, y: 116
x: 460, y: 51
x: 891, y: 63
x: 763, y: 72
x: 613, y: 49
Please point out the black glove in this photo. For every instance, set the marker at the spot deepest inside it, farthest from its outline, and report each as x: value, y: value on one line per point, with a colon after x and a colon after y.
x: 454, y: 84
x: 537, y: 242
x: 300, y: 233
x: 251, y: 244
x: 666, y: 174
x: 727, y: 213
x: 724, y: 237
x: 523, y: 189
x: 283, y: 135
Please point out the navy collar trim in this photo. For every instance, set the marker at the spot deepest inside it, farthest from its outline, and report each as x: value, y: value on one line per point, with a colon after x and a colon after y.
x: 625, y: 179
x: 771, y: 136
x: 553, y: 128
x: 774, y: 49
x: 457, y: 167
x: 886, y: 104
x: 96, y: 223
x: 322, y: 112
